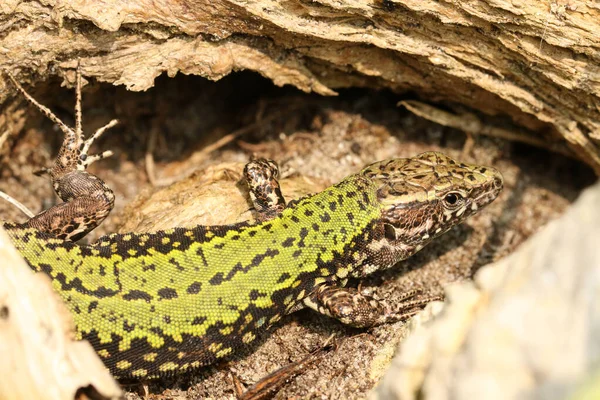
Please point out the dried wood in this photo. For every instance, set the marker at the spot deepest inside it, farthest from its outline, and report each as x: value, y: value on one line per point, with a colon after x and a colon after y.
x: 40, y: 357
x: 535, y: 63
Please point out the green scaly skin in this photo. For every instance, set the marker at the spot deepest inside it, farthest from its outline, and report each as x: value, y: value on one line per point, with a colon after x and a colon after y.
x: 171, y: 300
x: 166, y: 302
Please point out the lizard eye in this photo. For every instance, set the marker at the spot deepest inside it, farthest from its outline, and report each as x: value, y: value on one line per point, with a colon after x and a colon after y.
x: 452, y: 199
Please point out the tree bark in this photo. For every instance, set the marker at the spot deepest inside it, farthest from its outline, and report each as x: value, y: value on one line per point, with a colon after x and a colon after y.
x: 534, y: 62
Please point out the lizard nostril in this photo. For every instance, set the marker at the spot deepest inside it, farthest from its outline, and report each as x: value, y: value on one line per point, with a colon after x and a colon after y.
x: 498, y: 182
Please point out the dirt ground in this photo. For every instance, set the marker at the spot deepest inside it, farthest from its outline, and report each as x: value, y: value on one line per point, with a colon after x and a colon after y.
x: 164, y: 136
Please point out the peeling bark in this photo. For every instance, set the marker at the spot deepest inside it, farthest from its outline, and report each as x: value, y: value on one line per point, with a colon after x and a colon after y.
x: 535, y: 62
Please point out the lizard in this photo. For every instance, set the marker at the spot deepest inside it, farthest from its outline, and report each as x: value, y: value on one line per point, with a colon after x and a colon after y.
x: 157, y: 304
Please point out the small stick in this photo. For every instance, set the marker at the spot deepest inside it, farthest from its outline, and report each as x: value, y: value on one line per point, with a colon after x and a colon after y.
x: 5, y: 196
x: 149, y: 157
x: 4, y: 137
x: 17, y: 204
x: 267, y: 385
x: 468, y: 122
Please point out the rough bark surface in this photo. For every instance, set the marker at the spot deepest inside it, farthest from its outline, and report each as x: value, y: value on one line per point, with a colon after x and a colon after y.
x: 535, y: 62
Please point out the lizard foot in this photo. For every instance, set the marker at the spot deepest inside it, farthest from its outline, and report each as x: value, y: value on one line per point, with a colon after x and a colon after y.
x: 265, y: 193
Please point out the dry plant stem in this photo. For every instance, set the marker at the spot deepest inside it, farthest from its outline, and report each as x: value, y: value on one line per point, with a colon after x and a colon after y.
x: 200, y: 155
x: 5, y: 196
x: 225, y: 140
x: 264, y: 388
x: 472, y: 125
x: 468, y: 146
x: 149, y: 158
x: 4, y: 137
x: 206, y: 151
x: 17, y: 204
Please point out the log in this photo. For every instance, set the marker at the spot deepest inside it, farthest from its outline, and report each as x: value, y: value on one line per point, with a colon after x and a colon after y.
x: 40, y: 357
x: 528, y: 67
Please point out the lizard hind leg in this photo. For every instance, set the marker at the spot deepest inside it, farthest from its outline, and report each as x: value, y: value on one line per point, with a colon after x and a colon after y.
x: 87, y: 202
x: 87, y: 199
x: 261, y: 175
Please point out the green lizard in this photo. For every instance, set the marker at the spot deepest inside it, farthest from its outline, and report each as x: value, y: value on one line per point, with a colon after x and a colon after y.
x: 155, y: 304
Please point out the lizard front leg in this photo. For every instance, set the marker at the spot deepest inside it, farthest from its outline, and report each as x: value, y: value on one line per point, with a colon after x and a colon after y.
x: 353, y: 308
x: 87, y: 199
x: 261, y: 175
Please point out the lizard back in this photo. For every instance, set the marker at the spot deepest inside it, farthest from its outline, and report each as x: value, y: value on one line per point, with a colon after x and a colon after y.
x: 182, y: 298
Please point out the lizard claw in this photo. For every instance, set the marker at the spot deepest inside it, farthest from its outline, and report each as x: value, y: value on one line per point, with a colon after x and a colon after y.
x: 407, y: 308
x: 84, y: 159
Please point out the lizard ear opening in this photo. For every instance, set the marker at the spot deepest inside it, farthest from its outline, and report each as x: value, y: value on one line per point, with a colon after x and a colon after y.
x: 389, y: 232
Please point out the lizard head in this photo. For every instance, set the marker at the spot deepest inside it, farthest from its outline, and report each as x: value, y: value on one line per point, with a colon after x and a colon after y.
x: 424, y: 196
